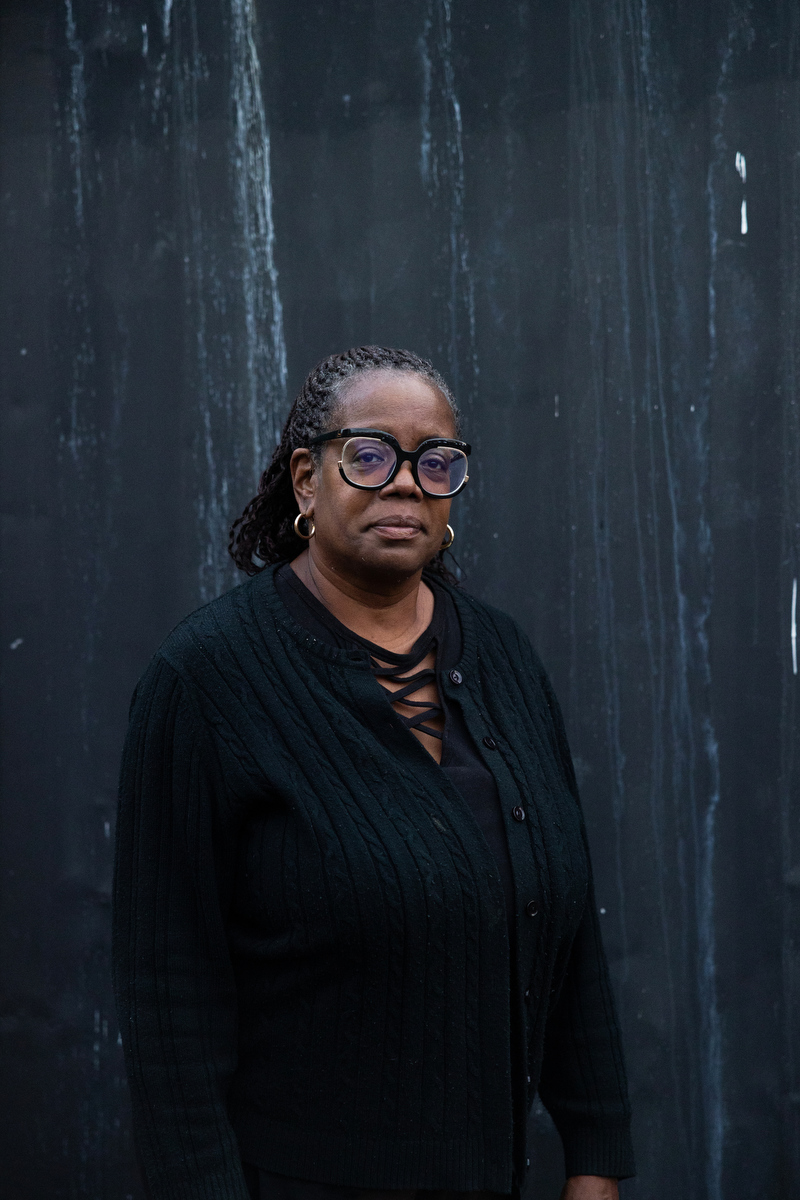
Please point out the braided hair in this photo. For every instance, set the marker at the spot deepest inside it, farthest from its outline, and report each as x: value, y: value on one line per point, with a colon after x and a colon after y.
x: 264, y: 533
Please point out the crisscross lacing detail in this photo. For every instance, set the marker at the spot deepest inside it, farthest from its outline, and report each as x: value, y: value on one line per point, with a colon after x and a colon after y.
x: 392, y: 666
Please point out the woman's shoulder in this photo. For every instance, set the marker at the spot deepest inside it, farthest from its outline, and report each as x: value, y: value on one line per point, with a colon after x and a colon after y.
x: 213, y: 636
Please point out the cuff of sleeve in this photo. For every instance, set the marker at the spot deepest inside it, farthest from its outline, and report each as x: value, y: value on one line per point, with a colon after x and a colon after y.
x: 598, y: 1150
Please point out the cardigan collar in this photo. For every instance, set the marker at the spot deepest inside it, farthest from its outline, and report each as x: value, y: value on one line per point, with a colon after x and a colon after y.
x: 266, y: 599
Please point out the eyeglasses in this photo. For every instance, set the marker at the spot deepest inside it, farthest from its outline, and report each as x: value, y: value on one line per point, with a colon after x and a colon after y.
x: 371, y: 459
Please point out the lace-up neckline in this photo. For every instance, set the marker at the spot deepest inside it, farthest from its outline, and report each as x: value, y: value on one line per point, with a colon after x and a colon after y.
x: 400, y: 669
x: 387, y: 665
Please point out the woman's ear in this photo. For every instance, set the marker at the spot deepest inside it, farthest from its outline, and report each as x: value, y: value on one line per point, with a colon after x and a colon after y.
x: 304, y: 479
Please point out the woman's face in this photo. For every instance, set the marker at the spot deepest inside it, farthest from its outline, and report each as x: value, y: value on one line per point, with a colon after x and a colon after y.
x: 389, y: 534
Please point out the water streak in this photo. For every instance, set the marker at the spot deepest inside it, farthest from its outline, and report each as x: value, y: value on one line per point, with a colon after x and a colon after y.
x: 588, y: 264
x: 76, y: 113
x: 266, y: 350
x: 712, y: 1026
x: 236, y: 344
x: 442, y: 167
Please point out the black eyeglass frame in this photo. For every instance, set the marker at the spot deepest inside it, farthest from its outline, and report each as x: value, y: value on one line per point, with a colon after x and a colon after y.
x: 410, y: 456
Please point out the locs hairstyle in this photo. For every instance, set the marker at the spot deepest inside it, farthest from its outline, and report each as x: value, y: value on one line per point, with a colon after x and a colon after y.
x: 264, y: 533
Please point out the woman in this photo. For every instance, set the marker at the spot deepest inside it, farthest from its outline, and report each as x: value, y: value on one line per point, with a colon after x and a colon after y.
x: 354, y: 922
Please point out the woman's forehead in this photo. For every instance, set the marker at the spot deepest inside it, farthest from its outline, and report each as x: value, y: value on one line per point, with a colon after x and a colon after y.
x: 400, y: 397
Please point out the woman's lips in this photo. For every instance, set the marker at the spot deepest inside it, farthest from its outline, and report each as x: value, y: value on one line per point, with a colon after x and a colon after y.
x: 398, y: 528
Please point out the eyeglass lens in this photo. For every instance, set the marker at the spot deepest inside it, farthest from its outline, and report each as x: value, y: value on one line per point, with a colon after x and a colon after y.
x: 368, y: 462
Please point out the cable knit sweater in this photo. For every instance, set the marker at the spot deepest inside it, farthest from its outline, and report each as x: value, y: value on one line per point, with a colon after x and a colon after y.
x: 311, y: 957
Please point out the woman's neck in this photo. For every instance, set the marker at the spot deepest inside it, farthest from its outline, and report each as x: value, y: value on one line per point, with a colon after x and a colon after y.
x: 392, y: 618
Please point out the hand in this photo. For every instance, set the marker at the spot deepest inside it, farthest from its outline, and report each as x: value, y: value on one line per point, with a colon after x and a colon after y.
x: 590, y: 1187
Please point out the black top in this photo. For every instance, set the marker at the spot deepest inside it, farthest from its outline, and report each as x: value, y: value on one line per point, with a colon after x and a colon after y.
x: 460, y: 757
x: 310, y: 952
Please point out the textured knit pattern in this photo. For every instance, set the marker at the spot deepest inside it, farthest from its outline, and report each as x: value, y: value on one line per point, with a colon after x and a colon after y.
x: 311, y: 957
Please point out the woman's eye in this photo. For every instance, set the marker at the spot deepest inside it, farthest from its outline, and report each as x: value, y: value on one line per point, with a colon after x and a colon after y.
x: 368, y: 458
x: 435, y: 462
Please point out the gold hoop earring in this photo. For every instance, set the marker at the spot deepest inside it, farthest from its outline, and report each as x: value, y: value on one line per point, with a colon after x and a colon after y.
x: 447, y: 545
x: 310, y: 526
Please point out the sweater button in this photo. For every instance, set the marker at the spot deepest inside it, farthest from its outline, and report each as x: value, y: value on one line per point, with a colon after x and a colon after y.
x: 489, y: 743
x: 456, y: 676
x: 532, y: 908
x: 518, y: 812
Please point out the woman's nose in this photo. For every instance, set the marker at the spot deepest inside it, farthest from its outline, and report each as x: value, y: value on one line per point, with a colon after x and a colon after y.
x: 403, y: 482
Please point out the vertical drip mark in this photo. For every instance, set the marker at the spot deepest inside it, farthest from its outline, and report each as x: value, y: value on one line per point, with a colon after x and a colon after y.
x: 78, y: 436
x: 236, y: 345
x: 187, y: 72
x: 266, y: 350
x: 76, y: 114
x: 158, y: 86
x: 442, y: 169
x: 446, y: 167
x: 653, y: 615
x: 793, y: 628
x: 425, y: 107
x: 76, y: 133
x: 682, y: 718
x: 741, y: 170
x: 588, y: 267
x: 708, y: 973
x: 75, y: 124
x: 712, y: 1074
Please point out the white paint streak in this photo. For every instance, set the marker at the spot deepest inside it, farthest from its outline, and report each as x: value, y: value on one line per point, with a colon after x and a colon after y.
x: 741, y: 166
x: 75, y: 127
x: 425, y: 108
x: 443, y: 172
x: 15, y: 645
x: 236, y: 340
x: 266, y: 350
x: 76, y: 112
x: 794, y: 627
x: 744, y: 216
x: 166, y: 19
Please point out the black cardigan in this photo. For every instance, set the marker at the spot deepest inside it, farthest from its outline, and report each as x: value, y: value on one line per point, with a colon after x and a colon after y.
x: 310, y: 950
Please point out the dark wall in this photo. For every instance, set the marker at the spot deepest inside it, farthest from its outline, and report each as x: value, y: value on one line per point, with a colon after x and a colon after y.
x: 199, y: 200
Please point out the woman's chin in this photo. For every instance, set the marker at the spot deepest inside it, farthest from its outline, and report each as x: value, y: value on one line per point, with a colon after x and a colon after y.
x: 389, y: 555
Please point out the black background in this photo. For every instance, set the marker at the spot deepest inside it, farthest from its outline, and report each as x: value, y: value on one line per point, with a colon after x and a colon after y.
x: 202, y: 198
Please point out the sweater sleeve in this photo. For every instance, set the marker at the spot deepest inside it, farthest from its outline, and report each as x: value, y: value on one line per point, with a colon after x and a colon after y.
x: 583, y: 1083
x: 172, y: 973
